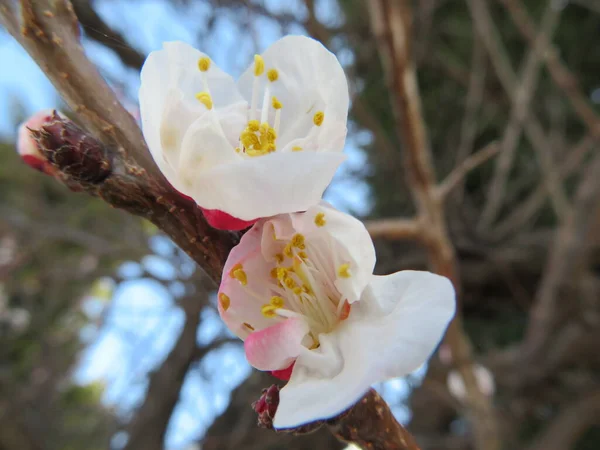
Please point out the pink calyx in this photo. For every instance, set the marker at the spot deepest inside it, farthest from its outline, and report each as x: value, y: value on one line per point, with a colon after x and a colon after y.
x: 223, y: 221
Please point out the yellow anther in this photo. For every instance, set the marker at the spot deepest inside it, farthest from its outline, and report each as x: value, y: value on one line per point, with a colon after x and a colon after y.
x: 205, y: 99
x: 314, y: 345
x: 247, y: 325
x: 296, y: 148
x: 253, y: 125
x: 297, y: 290
x: 268, y: 311
x: 272, y: 75
x: 318, y: 118
x: 320, y: 219
x: 259, y: 65
x: 303, y: 255
x: 281, y: 273
x: 276, y: 103
x: 224, y: 300
x: 277, y: 302
x: 307, y: 289
x: 204, y: 64
x: 287, y: 250
x: 289, y: 283
x: 279, y: 258
x: 343, y: 271
x: 237, y: 149
x: 274, y: 272
x: 238, y: 273
x: 298, y: 241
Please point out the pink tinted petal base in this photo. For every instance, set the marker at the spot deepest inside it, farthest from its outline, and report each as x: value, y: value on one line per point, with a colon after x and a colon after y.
x: 38, y: 164
x: 284, y: 374
x: 276, y: 347
x: 223, y: 221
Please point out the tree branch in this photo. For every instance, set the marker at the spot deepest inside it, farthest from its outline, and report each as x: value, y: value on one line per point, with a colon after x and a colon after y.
x: 394, y: 229
x: 524, y: 90
x: 48, y: 31
x: 391, y: 24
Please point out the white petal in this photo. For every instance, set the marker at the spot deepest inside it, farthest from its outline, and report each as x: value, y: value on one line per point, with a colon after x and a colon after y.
x: 203, y: 147
x: 184, y: 73
x: 351, y: 244
x: 310, y: 79
x: 390, y: 332
x: 246, y: 301
x: 268, y: 185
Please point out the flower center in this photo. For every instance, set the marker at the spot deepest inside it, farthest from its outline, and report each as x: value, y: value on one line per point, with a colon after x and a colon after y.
x: 302, y: 284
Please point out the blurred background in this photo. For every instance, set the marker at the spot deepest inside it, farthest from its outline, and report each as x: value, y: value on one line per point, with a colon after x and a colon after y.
x: 96, y: 351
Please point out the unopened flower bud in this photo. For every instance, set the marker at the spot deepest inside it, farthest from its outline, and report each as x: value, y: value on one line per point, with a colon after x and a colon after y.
x: 27, y: 146
x: 71, y: 150
x: 266, y: 406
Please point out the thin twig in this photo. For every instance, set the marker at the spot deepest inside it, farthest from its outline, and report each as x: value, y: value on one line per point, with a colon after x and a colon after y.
x: 559, y: 72
x: 391, y: 24
x: 523, y: 92
x: 459, y: 173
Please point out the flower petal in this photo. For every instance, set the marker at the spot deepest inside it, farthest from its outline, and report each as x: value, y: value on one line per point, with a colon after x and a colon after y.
x: 277, y: 346
x: 352, y: 246
x: 310, y: 79
x: 262, y: 187
x: 390, y: 332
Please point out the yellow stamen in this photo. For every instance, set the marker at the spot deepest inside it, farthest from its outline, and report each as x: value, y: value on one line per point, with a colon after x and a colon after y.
x: 205, y: 99
x: 277, y: 302
x: 296, y: 148
x: 268, y: 311
x: 276, y: 103
x: 318, y: 118
x: 259, y: 65
x: 289, y: 283
x: 238, y: 273
x: 253, y: 125
x: 274, y: 272
x: 224, y: 300
x: 302, y: 255
x: 298, y: 241
x: 287, y: 250
x: 320, y: 219
x: 204, y: 64
x: 343, y: 271
x: 279, y: 258
x: 272, y: 75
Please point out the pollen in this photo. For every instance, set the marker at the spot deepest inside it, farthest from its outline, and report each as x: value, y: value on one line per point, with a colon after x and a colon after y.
x: 276, y: 103
x: 239, y: 274
x: 247, y: 325
x: 279, y: 258
x: 224, y: 300
x: 287, y: 250
x: 298, y: 241
x: 259, y: 65
x: 303, y: 255
x: 318, y: 118
x: 343, y: 271
x: 290, y: 283
x: 272, y: 75
x: 274, y: 272
x: 268, y: 311
x: 320, y: 219
x: 205, y: 99
x: 277, y: 302
x: 281, y: 273
x: 204, y: 64
x: 296, y: 148
x: 253, y: 125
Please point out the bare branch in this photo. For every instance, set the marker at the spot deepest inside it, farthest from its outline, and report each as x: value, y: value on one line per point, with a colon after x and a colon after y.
x: 522, y: 93
x: 559, y: 72
x: 48, y: 31
x: 394, y: 229
x: 391, y: 24
x: 567, y: 257
x: 461, y: 171
x: 570, y: 424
